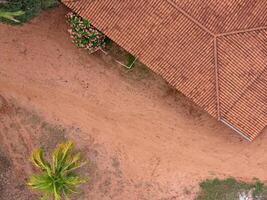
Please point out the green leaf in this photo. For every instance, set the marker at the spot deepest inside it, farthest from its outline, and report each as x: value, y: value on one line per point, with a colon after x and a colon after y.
x: 41, y: 182
x: 86, y: 22
x: 39, y: 161
x: 11, y: 15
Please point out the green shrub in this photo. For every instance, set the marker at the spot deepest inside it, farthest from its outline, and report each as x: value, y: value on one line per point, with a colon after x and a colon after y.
x: 108, y: 41
x: 30, y: 8
x: 259, y: 188
x: 230, y: 189
x: 130, y: 60
x: 58, y: 178
x: 85, y: 35
x: 49, y: 3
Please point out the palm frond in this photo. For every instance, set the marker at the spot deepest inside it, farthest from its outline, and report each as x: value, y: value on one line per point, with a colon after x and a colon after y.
x: 41, y: 182
x: 40, y: 162
x: 60, y: 155
x: 71, y: 183
x: 11, y: 15
x: 56, y: 191
x: 73, y: 163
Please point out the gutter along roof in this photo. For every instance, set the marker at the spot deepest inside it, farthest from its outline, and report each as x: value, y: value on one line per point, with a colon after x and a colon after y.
x: 213, y: 51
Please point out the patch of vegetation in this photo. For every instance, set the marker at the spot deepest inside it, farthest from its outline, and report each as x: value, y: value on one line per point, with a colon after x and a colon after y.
x: 30, y: 8
x: 230, y: 189
x: 46, y: 4
x: 11, y: 15
x: 83, y: 34
x: 23, y: 10
x: 130, y: 60
x: 57, y: 179
x: 114, y: 52
x: 108, y: 41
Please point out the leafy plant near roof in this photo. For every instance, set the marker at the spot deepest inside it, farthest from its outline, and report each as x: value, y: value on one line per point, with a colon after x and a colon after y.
x: 130, y: 60
x: 19, y: 11
x: 83, y: 34
x: 58, y: 178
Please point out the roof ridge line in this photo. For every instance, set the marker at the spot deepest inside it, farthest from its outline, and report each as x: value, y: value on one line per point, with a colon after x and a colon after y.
x: 241, y: 31
x: 171, y: 2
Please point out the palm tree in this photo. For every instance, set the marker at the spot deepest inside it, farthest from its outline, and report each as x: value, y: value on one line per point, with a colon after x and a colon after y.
x: 57, y: 179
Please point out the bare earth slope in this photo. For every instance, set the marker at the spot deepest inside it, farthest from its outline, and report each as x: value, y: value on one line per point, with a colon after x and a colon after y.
x: 154, y: 144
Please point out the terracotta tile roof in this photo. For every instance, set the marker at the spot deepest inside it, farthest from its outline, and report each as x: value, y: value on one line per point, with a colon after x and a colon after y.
x: 213, y: 51
x: 221, y: 16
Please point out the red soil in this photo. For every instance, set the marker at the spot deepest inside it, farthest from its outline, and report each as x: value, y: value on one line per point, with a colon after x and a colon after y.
x: 153, y: 143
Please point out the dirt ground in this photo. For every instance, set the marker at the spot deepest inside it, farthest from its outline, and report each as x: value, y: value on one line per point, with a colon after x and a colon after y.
x: 144, y: 141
